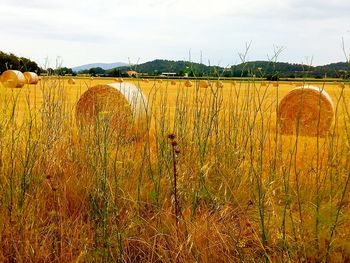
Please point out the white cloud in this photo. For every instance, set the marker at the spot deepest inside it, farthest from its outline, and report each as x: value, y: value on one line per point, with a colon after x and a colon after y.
x: 89, y: 31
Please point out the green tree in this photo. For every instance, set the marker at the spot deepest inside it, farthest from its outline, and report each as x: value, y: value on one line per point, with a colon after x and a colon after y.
x: 97, y: 71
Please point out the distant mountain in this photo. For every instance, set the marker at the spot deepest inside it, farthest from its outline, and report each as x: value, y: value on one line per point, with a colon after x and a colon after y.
x: 104, y: 66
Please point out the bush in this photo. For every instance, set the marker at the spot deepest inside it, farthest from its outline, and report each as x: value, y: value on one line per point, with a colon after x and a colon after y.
x: 272, y: 77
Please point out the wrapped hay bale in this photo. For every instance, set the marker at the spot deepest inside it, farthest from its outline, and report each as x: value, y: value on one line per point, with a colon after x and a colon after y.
x: 203, y: 84
x: 122, y: 105
x: 173, y: 82
x: 71, y: 81
x: 188, y: 83
x: 307, y: 111
x: 13, y: 79
x: 31, y: 77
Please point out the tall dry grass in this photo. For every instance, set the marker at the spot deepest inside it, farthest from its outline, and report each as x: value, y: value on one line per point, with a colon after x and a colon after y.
x: 230, y: 189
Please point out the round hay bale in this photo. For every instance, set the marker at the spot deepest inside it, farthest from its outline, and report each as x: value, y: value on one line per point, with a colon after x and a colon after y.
x: 119, y: 80
x: 341, y: 85
x: 31, y: 77
x: 13, y: 79
x: 160, y: 81
x: 122, y: 105
x: 263, y: 84
x: 275, y: 84
x: 71, y: 81
x: 147, y: 80
x: 188, y: 83
x: 203, y: 84
x: 92, y: 78
x: 219, y: 84
x: 173, y: 82
x: 307, y: 111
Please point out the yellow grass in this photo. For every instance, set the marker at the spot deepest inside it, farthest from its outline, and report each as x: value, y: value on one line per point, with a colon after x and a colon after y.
x: 245, y: 192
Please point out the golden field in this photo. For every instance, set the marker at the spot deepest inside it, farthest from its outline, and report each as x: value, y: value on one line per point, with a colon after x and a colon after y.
x: 244, y: 192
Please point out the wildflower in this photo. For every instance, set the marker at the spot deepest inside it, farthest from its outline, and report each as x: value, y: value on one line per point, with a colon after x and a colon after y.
x: 171, y: 136
x: 241, y: 244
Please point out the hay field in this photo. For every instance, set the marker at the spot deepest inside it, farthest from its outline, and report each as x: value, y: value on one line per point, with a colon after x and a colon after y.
x: 225, y: 186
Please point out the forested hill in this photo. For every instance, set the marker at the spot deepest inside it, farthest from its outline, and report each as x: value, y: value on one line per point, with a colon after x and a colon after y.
x: 159, y: 66
x: 282, y: 69
x: 11, y: 61
x: 253, y: 68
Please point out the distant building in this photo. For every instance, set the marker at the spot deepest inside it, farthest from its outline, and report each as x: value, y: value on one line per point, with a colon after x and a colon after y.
x: 168, y: 73
x: 83, y: 75
x: 132, y: 73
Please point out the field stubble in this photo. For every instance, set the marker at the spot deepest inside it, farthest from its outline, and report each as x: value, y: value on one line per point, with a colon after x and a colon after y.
x: 243, y: 191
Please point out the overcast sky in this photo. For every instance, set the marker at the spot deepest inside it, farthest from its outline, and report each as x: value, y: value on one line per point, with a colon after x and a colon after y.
x: 87, y: 31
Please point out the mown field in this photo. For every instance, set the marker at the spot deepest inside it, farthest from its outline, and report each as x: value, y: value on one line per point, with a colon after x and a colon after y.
x: 212, y: 180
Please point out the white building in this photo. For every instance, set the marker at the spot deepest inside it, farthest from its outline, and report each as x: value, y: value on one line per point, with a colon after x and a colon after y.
x: 168, y: 73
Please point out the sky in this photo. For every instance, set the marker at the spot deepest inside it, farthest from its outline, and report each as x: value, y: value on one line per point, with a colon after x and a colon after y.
x: 217, y: 32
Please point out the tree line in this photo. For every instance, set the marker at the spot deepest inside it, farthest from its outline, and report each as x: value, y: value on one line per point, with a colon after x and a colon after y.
x: 259, y: 69
x: 11, y: 61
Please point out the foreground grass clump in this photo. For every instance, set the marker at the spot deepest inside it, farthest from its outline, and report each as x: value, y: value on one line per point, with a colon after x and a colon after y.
x: 225, y: 186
